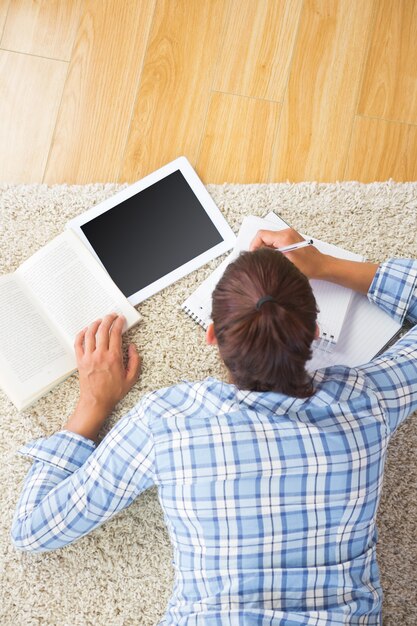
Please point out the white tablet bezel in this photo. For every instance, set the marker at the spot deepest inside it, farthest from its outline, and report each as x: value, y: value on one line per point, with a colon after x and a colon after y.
x: 184, y: 166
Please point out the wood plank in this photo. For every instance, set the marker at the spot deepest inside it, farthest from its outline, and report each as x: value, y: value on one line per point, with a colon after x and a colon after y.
x: 99, y: 94
x: 175, y: 85
x: 381, y: 150
x: 389, y: 88
x: 32, y: 88
x: 42, y: 27
x: 238, y: 140
x: 321, y: 97
x: 257, y: 48
x: 4, y: 8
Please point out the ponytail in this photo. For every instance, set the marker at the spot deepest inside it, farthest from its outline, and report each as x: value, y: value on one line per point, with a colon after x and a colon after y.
x: 264, y: 316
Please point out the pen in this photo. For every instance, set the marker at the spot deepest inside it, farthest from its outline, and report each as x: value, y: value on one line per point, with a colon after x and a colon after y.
x: 296, y: 246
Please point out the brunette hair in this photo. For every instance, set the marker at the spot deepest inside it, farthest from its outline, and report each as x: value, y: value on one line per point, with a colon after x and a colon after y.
x: 264, y: 316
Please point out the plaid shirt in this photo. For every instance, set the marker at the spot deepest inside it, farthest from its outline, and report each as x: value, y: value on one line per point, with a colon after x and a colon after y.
x: 270, y: 501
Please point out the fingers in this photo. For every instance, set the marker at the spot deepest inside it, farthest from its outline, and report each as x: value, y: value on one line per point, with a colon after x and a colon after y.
x: 90, y: 336
x: 103, y: 331
x: 134, y: 363
x: 275, y: 238
x: 115, y: 340
x: 79, y: 344
x: 263, y: 238
x: 103, y: 334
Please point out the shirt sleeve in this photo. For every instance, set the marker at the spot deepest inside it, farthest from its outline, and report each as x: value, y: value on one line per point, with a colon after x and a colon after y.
x: 74, y: 486
x: 393, y: 375
x: 393, y: 289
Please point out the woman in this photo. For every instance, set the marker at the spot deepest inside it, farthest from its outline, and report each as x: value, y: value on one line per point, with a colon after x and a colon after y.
x: 269, y: 483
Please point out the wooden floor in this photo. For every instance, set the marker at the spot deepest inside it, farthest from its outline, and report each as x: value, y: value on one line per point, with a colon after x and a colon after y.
x: 248, y: 90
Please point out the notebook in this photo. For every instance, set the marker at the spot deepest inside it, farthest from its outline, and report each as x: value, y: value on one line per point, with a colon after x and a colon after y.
x: 360, y: 329
x: 332, y: 300
x: 367, y: 330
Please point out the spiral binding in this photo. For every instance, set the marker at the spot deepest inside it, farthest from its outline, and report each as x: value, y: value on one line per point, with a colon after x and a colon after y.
x: 195, y: 317
x: 325, y: 343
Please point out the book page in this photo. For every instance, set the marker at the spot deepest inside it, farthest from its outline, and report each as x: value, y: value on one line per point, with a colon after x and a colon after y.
x: 72, y: 286
x: 32, y: 353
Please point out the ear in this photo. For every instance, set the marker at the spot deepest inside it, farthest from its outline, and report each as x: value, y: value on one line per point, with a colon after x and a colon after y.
x: 317, y: 333
x: 210, y: 336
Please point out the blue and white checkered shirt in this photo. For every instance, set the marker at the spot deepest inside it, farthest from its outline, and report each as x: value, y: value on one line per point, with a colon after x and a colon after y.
x: 270, y: 501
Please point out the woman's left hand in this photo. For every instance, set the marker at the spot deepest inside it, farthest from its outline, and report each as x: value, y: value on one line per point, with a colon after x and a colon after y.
x: 104, y: 379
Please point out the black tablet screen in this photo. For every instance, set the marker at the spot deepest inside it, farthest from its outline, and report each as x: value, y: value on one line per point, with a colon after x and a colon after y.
x: 152, y: 233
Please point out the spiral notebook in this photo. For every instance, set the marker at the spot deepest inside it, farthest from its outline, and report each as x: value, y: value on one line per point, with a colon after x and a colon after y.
x: 367, y: 332
x: 358, y: 330
x: 332, y: 300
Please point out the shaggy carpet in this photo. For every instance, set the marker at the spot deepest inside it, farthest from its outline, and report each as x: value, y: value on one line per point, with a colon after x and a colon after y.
x: 121, y: 574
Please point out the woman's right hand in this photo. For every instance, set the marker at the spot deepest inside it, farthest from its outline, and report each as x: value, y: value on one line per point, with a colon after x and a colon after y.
x: 308, y: 260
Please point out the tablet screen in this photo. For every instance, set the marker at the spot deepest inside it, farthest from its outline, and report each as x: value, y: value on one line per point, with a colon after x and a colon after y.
x: 151, y: 233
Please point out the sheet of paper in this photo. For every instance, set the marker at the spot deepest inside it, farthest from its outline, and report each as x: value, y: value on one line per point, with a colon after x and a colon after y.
x: 72, y: 285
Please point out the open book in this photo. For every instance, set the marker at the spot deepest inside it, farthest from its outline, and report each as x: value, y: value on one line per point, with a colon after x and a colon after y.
x: 43, y: 305
x: 352, y: 329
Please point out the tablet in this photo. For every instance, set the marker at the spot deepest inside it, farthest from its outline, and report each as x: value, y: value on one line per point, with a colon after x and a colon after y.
x: 155, y: 231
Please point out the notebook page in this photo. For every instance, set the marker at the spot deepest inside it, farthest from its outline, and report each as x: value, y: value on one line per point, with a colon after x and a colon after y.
x: 198, y: 304
x: 333, y: 300
x: 366, y: 330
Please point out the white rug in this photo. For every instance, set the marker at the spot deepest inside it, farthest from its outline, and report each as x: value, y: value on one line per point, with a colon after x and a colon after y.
x: 121, y: 574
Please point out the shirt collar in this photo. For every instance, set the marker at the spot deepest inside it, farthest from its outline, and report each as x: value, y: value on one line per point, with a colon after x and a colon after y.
x: 275, y: 402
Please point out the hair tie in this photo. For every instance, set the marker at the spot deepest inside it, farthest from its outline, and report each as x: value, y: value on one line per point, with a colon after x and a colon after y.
x: 264, y: 299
